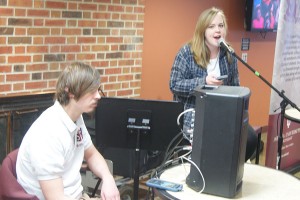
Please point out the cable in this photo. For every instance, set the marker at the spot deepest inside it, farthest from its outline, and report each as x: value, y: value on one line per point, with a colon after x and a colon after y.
x: 194, y: 164
x: 179, y: 116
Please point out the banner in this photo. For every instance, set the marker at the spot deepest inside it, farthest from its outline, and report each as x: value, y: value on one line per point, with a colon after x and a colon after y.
x: 286, y: 77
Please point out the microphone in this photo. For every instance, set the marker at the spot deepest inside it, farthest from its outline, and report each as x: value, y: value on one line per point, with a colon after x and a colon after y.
x: 225, y: 46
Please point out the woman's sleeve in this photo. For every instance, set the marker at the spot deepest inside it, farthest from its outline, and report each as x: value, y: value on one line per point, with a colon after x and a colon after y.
x: 183, y: 80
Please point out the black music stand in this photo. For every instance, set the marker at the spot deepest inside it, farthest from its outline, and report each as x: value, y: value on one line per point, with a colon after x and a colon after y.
x: 136, y: 124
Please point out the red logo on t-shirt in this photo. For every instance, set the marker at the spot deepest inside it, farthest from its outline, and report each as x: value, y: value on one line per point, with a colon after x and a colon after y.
x: 79, y: 137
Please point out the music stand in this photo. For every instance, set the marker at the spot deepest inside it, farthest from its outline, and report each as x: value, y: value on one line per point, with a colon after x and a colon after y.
x: 136, y: 124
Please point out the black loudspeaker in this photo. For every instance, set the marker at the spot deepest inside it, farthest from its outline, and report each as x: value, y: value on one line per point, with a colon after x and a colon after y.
x: 219, y: 139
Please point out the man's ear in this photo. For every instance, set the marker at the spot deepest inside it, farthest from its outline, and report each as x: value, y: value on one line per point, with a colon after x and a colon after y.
x: 66, y: 89
x: 70, y: 94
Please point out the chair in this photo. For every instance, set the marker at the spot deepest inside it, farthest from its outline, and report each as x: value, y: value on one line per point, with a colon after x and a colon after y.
x: 10, y: 189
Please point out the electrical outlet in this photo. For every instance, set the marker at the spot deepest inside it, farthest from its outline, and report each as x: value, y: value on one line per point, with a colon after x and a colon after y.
x: 244, y: 57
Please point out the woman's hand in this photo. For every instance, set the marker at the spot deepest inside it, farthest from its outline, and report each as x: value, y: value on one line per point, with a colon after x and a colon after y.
x: 212, y: 80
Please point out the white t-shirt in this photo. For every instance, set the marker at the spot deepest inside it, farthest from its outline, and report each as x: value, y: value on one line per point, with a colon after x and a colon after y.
x: 213, y: 67
x: 53, y: 147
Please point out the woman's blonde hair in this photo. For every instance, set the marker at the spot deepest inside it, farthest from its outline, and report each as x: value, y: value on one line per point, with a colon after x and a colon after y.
x: 77, y: 79
x: 198, y: 46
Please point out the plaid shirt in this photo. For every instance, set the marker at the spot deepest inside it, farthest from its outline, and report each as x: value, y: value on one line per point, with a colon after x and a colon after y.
x: 186, y: 75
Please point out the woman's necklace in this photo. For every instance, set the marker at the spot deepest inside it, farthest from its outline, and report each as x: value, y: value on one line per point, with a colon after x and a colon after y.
x: 217, y: 60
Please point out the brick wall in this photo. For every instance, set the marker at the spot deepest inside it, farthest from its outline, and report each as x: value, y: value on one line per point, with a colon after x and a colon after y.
x: 38, y: 38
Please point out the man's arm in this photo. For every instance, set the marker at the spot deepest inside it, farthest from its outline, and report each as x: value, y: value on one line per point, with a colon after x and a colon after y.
x: 53, y: 189
x: 98, y: 166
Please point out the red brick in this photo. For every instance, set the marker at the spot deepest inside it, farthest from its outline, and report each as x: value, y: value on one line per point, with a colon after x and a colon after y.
x: 136, y: 54
x: 3, y: 22
x: 56, y: 14
x: 71, y: 31
x: 121, y: 93
x: 52, y: 83
x: 138, y: 24
x: 38, y: 31
x: 17, y: 77
x: 112, y: 79
x: 70, y: 48
x: 125, y: 77
x: 5, y: 87
x: 6, y: 12
x: 141, y: 2
x: 37, y: 49
x: 18, y: 3
x: 85, y: 48
x: 71, y: 40
x: 20, y: 31
x: 101, y: 15
x: 5, y: 68
x: 110, y: 71
x: 114, y: 39
x: 126, y: 62
x: 70, y: 57
x: 35, y: 85
x: 39, y: 4
x: 85, y: 56
x: 18, y: 86
x: 20, y: 12
x: 37, y: 58
x: 112, y: 86
x: 38, y: 13
x: 87, y: 23
x: 100, y: 47
x: 135, y: 84
x: 115, y: 8
x: 125, y: 85
x: 37, y: 67
x: 56, y: 4
x: 125, y: 70
x: 2, y: 78
x: 115, y: 16
x: 129, y: 9
x: 103, y: 1
x: 38, y: 40
x: 131, y: 2
x: 114, y: 47
x: 55, y: 31
x: 101, y: 63
x: 136, y: 69
x: 139, y: 9
x: 19, y: 59
x: 128, y: 17
x: 141, y: 17
x: 81, y: 40
x: 55, y: 22
x: 38, y: 22
x: 5, y: 50
x: 20, y: 50
x: 72, y: 6
x: 55, y: 40
x: 86, y: 6
x: 137, y: 91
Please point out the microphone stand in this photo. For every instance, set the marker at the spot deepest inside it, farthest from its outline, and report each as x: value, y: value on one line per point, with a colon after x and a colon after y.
x: 285, y: 101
